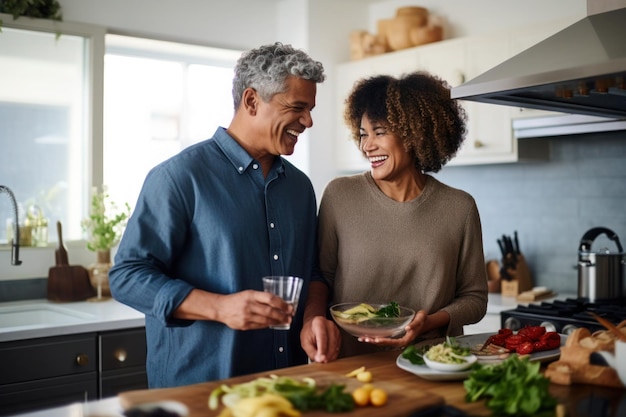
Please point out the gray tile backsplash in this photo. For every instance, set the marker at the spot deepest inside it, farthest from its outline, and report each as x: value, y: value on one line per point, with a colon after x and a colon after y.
x: 553, y: 203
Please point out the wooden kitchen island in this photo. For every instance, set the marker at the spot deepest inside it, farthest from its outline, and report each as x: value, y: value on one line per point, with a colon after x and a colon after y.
x: 408, y: 393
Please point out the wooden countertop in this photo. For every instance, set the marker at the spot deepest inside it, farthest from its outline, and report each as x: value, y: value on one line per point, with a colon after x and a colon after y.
x: 408, y: 393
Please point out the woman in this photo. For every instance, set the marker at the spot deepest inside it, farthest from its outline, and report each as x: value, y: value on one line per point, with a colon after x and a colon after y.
x: 396, y: 233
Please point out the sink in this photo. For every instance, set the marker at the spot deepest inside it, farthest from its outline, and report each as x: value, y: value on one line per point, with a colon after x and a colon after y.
x: 39, y: 315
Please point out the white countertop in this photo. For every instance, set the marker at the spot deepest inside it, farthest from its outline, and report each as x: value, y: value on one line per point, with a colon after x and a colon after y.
x: 73, y: 318
x: 498, y: 303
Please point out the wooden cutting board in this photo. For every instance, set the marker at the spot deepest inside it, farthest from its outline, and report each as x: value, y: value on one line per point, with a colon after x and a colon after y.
x: 67, y: 282
x: 536, y: 294
x: 403, y: 399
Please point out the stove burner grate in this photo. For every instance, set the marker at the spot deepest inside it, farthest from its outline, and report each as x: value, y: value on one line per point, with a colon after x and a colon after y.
x: 566, y: 313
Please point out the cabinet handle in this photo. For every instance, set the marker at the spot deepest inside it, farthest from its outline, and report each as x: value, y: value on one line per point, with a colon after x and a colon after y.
x: 457, y: 78
x: 120, y: 355
x: 82, y: 359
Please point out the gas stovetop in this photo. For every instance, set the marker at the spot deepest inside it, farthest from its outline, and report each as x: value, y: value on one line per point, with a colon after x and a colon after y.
x: 564, y: 316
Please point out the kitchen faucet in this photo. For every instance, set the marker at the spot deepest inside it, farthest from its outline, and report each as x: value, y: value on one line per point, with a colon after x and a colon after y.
x: 15, y: 244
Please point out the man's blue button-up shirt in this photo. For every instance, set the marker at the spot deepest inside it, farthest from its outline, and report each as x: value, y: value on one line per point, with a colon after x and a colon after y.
x: 208, y: 219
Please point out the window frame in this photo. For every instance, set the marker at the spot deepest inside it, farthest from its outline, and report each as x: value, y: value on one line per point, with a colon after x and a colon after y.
x: 36, y: 260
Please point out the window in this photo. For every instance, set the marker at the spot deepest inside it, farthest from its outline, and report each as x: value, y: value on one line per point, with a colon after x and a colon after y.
x: 46, y: 125
x: 159, y: 98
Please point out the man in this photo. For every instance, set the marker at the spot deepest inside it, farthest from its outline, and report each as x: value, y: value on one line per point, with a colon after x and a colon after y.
x: 211, y: 221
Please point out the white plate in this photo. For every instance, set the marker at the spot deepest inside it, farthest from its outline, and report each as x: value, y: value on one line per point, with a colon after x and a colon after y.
x: 425, y: 372
x: 472, y: 340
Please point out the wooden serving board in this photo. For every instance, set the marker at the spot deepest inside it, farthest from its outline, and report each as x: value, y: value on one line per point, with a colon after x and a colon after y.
x: 404, y: 399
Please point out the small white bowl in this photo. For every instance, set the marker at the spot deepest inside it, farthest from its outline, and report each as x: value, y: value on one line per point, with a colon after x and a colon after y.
x: 167, y: 405
x: 451, y: 367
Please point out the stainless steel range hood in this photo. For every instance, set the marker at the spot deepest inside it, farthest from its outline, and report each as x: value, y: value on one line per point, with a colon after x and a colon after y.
x: 581, y: 69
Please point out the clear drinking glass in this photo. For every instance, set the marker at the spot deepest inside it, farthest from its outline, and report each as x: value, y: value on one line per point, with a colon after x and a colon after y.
x: 286, y: 287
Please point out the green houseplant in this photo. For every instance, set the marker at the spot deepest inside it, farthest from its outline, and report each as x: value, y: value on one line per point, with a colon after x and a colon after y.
x: 104, y: 228
x: 106, y: 221
x: 43, y: 9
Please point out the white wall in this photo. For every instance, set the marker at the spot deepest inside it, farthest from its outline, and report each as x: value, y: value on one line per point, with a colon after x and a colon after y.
x: 235, y: 24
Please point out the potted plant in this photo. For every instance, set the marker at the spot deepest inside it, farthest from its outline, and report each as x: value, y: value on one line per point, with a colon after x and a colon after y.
x: 104, y: 228
x: 42, y: 9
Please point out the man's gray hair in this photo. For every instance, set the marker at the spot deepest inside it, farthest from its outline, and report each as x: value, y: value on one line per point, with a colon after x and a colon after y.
x: 267, y: 68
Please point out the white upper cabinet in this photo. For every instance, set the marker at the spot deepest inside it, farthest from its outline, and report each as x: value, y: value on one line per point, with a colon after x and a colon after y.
x: 489, y: 134
x: 446, y: 59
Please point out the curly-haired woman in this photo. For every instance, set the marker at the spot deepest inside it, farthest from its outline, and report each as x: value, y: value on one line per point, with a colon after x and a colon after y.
x: 395, y: 233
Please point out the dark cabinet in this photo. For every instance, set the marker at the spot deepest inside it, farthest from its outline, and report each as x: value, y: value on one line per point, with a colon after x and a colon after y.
x: 122, y: 361
x: 55, y: 371
x: 47, y: 372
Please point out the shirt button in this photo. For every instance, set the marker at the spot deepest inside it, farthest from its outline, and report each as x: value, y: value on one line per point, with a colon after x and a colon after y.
x: 271, y: 225
x: 280, y: 349
x: 240, y: 169
x: 255, y: 166
x: 275, y: 257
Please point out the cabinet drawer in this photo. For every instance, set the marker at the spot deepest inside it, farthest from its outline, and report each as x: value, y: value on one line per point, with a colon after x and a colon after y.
x: 47, y: 357
x: 123, y: 349
x: 114, y: 382
x: 52, y: 392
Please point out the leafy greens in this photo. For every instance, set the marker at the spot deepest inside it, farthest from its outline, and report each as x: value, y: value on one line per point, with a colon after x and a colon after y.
x: 514, y: 387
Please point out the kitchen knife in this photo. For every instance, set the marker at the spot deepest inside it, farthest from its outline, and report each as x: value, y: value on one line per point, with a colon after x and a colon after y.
x: 516, y: 240
x: 502, y: 248
x: 511, y: 250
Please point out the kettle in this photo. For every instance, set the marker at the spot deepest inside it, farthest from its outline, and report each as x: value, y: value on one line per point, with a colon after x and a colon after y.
x: 601, y: 274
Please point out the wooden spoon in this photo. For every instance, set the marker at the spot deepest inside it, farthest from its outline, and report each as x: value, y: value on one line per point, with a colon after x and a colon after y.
x: 610, y: 326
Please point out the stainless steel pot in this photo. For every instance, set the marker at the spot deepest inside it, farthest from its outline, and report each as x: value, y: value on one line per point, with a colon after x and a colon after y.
x: 601, y: 274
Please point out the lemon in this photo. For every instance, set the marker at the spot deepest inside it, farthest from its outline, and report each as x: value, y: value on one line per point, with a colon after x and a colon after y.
x: 378, y: 397
x: 361, y: 396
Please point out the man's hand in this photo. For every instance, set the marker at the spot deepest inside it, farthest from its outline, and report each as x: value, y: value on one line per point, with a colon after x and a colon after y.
x: 245, y: 310
x: 248, y: 310
x: 320, y: 339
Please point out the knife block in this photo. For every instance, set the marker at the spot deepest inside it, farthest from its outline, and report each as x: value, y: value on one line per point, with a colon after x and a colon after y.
x: 521, y: 280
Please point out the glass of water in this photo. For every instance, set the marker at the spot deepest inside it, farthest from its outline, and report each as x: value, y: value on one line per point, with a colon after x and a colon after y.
x: 286, y: 287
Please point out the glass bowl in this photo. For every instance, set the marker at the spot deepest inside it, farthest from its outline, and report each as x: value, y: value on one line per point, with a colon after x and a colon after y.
x: 374, y: 326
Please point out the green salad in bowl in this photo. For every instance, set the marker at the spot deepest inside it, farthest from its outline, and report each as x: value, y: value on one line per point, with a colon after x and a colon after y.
x: 448, y: 356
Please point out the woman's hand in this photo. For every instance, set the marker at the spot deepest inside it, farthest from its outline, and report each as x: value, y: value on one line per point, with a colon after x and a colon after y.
x: 412, y: 330
x: 320, y: 339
